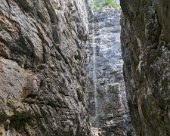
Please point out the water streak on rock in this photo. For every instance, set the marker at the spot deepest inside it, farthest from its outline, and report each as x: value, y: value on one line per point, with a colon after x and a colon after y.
x: 107, y: 97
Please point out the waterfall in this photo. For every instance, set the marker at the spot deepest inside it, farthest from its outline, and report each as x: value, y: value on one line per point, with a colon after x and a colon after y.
x: 107, y: 97
x: 107, y: 90
x: 95, y: 81
x: 94, y: 72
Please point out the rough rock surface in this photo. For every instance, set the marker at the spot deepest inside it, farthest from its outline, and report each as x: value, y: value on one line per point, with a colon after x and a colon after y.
x: 107, y: 98
x: 42, y: 78
x: 146, y: 53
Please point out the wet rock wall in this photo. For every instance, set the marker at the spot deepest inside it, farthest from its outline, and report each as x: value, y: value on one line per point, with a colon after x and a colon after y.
x: 108, y: 109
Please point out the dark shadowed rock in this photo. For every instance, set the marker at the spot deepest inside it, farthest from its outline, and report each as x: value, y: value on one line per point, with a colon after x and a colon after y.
x: 145, y: 45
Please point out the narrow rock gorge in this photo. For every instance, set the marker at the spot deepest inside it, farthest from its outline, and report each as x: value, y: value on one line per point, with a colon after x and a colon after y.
x: 146, y: 53
x: 70, y: 69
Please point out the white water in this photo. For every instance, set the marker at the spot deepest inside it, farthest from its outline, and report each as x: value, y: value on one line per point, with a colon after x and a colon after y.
x: 94, y: 70
x: 95, y: 81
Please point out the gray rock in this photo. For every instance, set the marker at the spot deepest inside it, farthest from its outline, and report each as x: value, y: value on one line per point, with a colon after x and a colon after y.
x: 108, y: 104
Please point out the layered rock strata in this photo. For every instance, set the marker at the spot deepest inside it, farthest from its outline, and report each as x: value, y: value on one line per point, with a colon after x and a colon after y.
x: 42, y: 78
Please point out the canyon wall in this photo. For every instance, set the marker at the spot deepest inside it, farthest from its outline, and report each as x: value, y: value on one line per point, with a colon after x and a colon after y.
x: 146, y: 53
x: 108, y: 109
x: 42, y: 78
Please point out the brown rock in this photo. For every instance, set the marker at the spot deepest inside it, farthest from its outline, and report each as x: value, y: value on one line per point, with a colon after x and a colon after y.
x: 38, y: 89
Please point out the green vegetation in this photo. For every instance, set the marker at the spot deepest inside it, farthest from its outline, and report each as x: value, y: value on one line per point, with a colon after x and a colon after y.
x: 97, y: 6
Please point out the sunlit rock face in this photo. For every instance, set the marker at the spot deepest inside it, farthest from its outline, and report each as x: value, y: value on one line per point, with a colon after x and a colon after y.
x: 42, y: 78
x: 107, y: 98
x: 146, y: 53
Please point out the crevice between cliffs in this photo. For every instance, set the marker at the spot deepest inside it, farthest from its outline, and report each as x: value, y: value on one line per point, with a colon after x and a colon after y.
x: 109, y: 113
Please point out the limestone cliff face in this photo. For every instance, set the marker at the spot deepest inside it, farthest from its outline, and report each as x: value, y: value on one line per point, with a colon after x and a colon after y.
x: 146, y: 53
x: 107, y: 98
x: 42, y: 84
